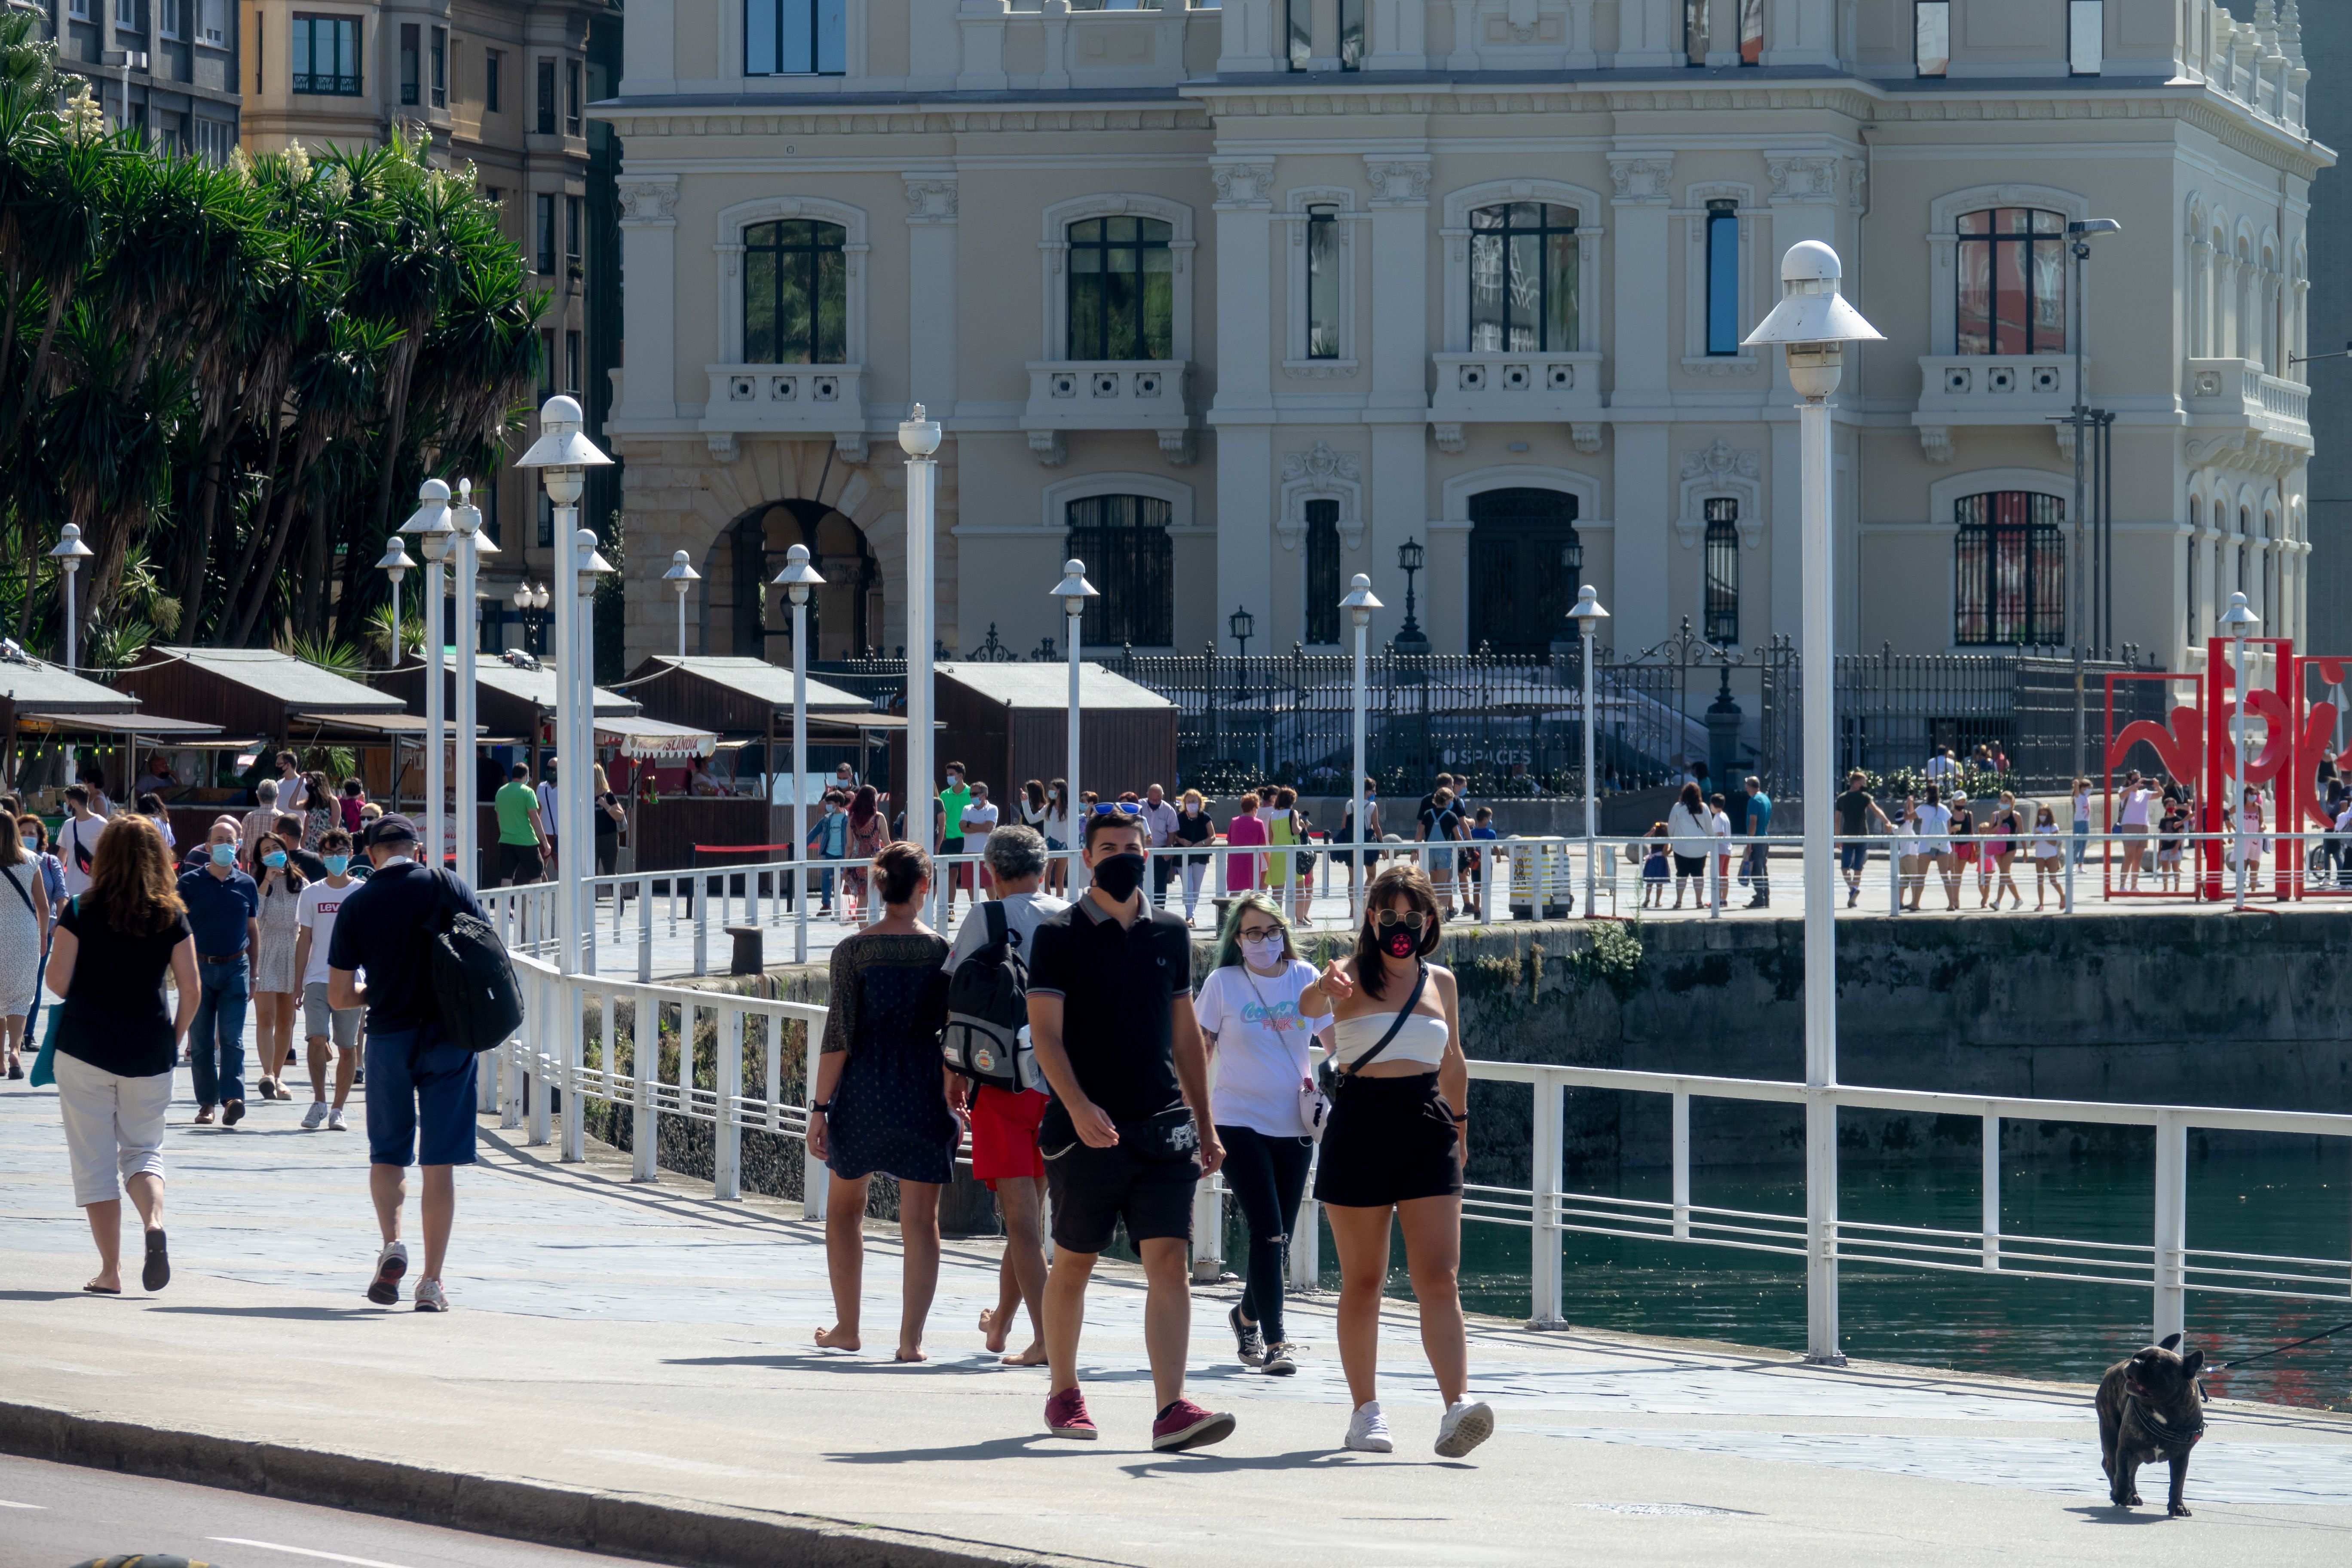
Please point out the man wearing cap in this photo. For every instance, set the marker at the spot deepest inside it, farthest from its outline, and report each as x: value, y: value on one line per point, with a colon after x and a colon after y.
x: 420, y: 1088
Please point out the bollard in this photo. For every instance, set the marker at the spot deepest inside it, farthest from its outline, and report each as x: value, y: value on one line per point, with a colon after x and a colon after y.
x: 1208, y: 1231
x: 1681, y: 1157
x: 1551, y: 1131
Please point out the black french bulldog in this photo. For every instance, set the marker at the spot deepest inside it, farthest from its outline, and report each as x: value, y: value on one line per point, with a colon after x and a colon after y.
x: 2150, y: 1408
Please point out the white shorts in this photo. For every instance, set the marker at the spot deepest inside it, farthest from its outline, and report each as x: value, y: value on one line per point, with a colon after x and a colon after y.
x: 112, y: 1124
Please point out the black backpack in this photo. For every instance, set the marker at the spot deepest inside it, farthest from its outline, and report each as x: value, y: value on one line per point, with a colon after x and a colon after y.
x: 475, y: 995
x: 986, y: 1037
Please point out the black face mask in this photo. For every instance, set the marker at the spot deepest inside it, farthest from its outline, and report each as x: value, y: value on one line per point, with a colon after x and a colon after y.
x: 1119, y: 876
x: 1401, y: 943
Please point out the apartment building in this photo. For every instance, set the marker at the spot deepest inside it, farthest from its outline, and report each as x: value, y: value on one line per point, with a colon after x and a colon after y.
x: 1234, y: 302
x: 168, y: 67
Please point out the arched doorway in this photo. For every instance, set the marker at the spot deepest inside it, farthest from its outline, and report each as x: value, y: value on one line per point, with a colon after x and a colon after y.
x: 1524, y: 559
x: 844, y: 615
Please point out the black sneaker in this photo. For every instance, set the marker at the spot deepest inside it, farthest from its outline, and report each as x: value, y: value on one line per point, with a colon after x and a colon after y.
x: 1277, y: 1360
x: 1249, y: 1340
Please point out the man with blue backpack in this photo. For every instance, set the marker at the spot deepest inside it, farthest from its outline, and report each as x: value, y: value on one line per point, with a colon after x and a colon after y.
x: 988, y: 1010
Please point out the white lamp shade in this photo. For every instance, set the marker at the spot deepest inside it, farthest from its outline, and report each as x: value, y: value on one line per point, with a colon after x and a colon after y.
x: 1588, y: 613
x: 1812, y: 309
x: 798, y: 577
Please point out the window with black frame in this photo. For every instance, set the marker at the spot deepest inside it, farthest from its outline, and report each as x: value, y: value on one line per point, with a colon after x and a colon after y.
x: 1722, y: 627
x: 1752, y: 32
x: 1323, y: 262
x: 1723, y: 277
x: 1298, y: 34
x: 795, y: 37
x: 2009, y: 570
x: 2012, y: 282
x: 1122, y: 298
x: 1131, y: 561
x: 1322, y: 571
x: 326, y: 51
x: 1523, y: 279
x: 795, y: 293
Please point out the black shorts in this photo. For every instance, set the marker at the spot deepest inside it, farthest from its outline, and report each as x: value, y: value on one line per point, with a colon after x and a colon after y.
x: 1690, y: 865
x: 519, y: 863
x: 1094, y: 1189
x: 1390, y: 1141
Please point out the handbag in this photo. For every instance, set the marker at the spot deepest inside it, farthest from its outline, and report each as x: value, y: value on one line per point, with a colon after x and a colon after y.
x: 1313, y: 1105
x: 45, y: 1063
x: 1331, y: 1077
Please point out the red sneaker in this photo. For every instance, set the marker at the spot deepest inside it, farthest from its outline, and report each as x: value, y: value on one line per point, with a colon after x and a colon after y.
x: 1065, y: 1416
x: 1185, y: 1425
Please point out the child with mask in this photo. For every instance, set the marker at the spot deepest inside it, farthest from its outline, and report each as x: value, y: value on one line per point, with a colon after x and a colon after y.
x: 315, y: 922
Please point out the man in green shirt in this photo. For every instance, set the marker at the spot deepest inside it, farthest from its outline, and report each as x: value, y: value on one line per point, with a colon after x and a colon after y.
x: 522, y: 837
x: 952, y: 800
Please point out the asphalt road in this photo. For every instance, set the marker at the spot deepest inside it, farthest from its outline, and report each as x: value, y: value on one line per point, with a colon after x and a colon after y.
x: 54, y: 1516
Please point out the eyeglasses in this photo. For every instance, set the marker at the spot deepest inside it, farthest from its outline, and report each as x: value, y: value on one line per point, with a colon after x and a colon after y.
x: 1258, y: 934
x: 1118, y: 808
x: 1411, y: 920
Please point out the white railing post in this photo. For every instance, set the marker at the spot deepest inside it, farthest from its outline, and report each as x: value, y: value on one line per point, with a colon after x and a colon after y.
x: 1306, y: 1238
x: 486, y: 1080
x: 541, y: 1091
x: 514, y: 1081
x: 2171, y: 1222
x: 645, y: 1129
x: 701, y: 896
x: 1682, y: 1197
x: 1992, y: 1190
x: 727, y: 1143
x: 1715, y: 876
x: 645, y: 926
x: 1894, y: 877
x: 1551, y: 1131
x: 1208, y: 1230
x: 574, y: 1046
x: 1489, y: 879
x: 775, y: 1074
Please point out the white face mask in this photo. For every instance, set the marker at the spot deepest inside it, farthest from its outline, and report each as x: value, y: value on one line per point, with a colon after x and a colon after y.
x: 1263, y: 953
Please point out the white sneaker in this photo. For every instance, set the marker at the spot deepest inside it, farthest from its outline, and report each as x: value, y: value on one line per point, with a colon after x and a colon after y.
x: 1465, y: 1428
x: 431, y: 1298
x: 390, y: 1265
x: 314, y: 1116
x: 335, y: 1122
x: 1368, y: 1430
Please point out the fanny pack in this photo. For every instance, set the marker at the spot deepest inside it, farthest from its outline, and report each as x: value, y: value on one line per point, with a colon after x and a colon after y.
x: 1165, y: 1136
x: 1331, y: 1077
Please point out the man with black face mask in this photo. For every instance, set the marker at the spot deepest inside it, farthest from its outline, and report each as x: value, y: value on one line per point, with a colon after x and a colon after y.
x: 1130, y: 1133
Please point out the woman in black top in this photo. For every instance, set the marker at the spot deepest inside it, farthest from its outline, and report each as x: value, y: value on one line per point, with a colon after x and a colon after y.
x: 1193, y: 826
x: 116, y: 1044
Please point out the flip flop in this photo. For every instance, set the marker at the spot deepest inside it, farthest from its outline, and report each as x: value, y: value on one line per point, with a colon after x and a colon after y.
x: 100, y: 1290
x: 158, y: 1273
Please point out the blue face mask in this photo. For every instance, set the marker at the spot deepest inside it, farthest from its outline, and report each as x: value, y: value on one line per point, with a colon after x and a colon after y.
x: 224, y: 853
x: 274, y: 859
x: 335, y: 864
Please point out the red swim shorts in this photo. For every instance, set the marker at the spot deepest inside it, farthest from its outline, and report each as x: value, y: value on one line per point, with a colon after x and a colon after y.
x: 1005, y: 1133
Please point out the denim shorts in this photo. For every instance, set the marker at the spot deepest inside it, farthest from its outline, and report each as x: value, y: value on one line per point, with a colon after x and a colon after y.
x: 420, y: 1098
x: 1854, y: 856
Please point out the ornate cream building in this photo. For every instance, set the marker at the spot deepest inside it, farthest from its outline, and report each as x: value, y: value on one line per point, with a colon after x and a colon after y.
x: 1235, y: 303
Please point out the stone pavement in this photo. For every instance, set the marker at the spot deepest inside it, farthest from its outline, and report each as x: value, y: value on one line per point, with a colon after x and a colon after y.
x: 650, y: 1341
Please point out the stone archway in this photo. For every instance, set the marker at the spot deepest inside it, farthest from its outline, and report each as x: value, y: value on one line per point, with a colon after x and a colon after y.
x: 845, y: 616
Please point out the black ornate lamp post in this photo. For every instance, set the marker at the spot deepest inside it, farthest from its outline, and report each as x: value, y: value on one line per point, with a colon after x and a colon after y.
x: 1241, y: 623
x: 1410, y: 638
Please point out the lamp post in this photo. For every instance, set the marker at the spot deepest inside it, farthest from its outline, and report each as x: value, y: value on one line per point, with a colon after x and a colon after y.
x: 918, y: 437
x: 1588, y: 617
x: 530, y: 605
x: 467, y: 518
x: 797, y: 579
x: 2240, y: 622
x: 682, y: 576
x: 1073, y: 591
x: 394, y: 565
x: 1410, y: 638
x: 1360, y: 603
x: 2078, y: 245
x: 563, y: 455
x: 70, y: 553
x: 430, y: 523
x: 1243, y: 626
x: 1813, y: 322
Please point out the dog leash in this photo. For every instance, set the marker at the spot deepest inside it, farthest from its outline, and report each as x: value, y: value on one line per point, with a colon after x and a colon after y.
x: 2242, y: 1360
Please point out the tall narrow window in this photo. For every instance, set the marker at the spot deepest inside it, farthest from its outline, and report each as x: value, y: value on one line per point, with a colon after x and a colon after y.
x: 546, y: 520
x: 1931, y: 37
x: 126, y: 15
x: 215, y: 14
x: 546, y: 363
x: 1695, y: 31
x: 572, y: 363
x: 1752, y: 32
x: 1122, y: 289
x: 546, y: 213
x: 1351, y: 34
x: 2194, y: 548
x: 440, y: 68
x: 1298, y: 32
x: 2086, y: 36
x: 1523, y: 279
x: 2013, y: 282
x: 571, y: 230
x: 1723, y: 277
x: 572, y: 124
x: 1323, y: 282
x: 77, y: 9
x: 410, y: 63
x: 167, y: 17
x: 2009, y: 576
x: 326, y: 55
x: 1124, y: 542
x: 1722, y: 571
x: 1322, y: 571
x: 547, y: 98
x: 494, y: 67
x: 795, y: 293
x: 795, y: 37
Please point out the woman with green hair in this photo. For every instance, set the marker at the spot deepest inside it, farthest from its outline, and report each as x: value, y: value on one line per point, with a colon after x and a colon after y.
x: 1259, y: 1008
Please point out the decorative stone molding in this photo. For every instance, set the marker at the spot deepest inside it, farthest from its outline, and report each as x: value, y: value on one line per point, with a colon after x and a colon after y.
x: 1242, y: 185
x: 1450, y: 439
x: 1642, y: 179
x: 1398, y: 182
x: 1178, y: 448
x: 850, y: 445
x: 931, y: 197
x: 1719, y: 364
x: 1721, y: 470
x: 1936, y: 442
x: 1320, y: 473
x: 1048, y: 448
x: 1803, y: 179
x: 1587, y: 437
x: 1319, y: 369
x: 649, y: 201
x: 722, y: 445
x: 1719, y: 460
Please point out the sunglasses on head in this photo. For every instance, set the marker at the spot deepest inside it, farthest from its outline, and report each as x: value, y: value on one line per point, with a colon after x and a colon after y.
x: 1411, y: 920
x: 1118, y: 808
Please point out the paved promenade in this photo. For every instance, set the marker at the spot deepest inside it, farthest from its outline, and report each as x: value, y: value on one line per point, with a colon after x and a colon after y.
x: 650, y: 1343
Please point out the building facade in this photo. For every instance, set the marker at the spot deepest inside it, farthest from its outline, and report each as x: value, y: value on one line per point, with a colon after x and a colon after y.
x: 168, y: 67
x: 2328, y: 45
x: 1233, y: 303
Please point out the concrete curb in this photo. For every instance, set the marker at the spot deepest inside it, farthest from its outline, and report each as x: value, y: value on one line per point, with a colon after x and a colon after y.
x: 653, y: 1529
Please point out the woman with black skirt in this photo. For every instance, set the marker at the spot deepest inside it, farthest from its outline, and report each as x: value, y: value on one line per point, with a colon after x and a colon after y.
x: 1394, y: 1146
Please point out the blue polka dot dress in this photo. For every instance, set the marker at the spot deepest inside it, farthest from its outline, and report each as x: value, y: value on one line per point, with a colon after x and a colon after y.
x: 890, y: 1112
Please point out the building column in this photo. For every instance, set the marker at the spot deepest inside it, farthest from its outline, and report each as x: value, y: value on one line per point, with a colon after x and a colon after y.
x: 649, y: 309
x: 1397, y: 409
x: 1641, y: 404
x: 1244, y: 412
x: 931, y: 291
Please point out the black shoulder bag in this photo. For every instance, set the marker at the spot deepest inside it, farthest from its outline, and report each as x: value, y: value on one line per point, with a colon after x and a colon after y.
x: 1331, y: 1077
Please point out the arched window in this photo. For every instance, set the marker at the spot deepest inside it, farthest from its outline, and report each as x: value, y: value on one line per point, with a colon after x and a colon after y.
x: 1122, y: 289
x: 1722, y: 571
x: 1524, y: 559
x: 2008, y: 573
x: 795, y: 293
x: 1322, y: 571
x: 2013, y: 282
x: 1523, y: 279
x: 1124, y: 542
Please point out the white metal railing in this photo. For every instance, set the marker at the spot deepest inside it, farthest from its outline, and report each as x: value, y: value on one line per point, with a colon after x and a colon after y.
x: 742, y: 1091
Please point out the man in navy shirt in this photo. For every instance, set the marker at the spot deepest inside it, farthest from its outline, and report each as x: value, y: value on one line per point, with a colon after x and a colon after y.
x: 420, y: 1098
x: 223, y: 911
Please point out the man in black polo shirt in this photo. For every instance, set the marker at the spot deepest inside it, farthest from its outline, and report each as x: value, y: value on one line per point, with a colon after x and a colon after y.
x: 1128, y: 1134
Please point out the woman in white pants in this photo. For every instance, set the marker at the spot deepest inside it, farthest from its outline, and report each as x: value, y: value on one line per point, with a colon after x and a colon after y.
x: 115, y: 1044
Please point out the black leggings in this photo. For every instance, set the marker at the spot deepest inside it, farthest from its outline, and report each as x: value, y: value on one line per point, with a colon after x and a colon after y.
x: 1267, y: 1176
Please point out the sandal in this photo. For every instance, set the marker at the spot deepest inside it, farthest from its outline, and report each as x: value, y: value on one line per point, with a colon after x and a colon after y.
x: 158, y: 1271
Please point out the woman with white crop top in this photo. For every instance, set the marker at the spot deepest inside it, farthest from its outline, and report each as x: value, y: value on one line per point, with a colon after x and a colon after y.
x: 1394, y: 1146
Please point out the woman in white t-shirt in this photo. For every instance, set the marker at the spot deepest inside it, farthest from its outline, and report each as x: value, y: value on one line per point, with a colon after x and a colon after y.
x: 1935, y: 820
x: 1257, y: 1010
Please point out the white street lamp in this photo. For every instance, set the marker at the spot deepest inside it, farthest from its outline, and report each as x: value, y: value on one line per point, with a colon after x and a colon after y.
x: 1073, y: 591
x: 563, y: 455
x: 430, y: 523
x: 2239, y: 623
x: 395, y: 565
x: 682, y: 576
x: 918, y: 437
x: 798, y: 580
x: 1360, y: 603
x: 1588, y: 617
x: 70, y: 553
x: 467, y: 518
x: 1814, y: 323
